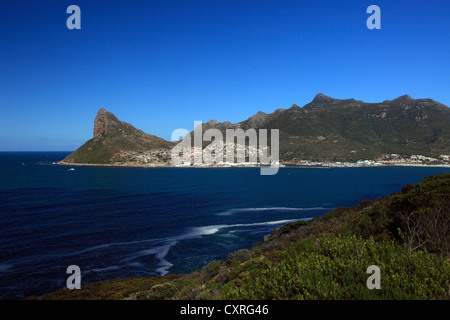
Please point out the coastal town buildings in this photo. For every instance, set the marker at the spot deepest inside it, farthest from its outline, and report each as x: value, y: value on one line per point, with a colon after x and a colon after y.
x: 217, y: 153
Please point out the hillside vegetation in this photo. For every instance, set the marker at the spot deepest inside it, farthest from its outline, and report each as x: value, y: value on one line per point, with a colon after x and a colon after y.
x: 406, y: 235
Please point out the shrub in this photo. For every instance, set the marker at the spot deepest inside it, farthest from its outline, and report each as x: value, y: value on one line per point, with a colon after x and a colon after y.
x: 211, y: 270
x: 336, y: 269
x: 240, y: 255
x: 162, y: 291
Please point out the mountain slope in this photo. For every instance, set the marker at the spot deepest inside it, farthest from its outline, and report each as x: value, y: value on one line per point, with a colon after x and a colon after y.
x: 332, y: 129
x: 111, y: 138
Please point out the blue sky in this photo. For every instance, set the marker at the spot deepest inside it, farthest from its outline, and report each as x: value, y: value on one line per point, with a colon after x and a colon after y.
x: 161, y: 65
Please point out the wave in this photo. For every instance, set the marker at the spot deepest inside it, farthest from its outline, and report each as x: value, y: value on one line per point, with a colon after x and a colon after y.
x: 45, y: 163
x: 160, y: 253
x: 107, y: 245
x: 104, y: 269
x: 194, y: 232
x: 164, y: 245
x: 5, y: 267
x: 234, y: 211
x: 208, y: 230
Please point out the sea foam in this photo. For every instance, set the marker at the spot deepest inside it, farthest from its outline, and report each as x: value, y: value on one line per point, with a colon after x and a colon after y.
x: 244, y: 210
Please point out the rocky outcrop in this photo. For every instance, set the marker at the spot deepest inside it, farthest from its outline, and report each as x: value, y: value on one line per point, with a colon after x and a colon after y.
x: 112, y: 138
x: 101, y: 122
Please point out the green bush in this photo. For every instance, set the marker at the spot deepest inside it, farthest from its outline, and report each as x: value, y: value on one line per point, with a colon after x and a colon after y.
x: 211, y: 270
x: 161, y: 291
x: 240, y: 255
x: 336, y: 268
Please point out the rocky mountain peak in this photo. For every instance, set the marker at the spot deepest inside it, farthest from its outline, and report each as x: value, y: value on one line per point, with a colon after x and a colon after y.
x: 100, y: 122
x: 103, y: 121
x: 320, y: 100
x: 258, y: 119
x: 212, y: 123
x: 320, y: 97
x: 404, y: 98
x: 112, y: 138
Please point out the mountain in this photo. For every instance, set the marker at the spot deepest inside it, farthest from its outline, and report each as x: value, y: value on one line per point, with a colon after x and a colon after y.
x: 113, y: 137
x: 324, y: 129
x: 350, y: 130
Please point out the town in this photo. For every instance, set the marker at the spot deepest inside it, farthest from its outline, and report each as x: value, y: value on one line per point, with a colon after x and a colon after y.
x: 209, y: 155
x: 163, y: 157
x: 385, y: 160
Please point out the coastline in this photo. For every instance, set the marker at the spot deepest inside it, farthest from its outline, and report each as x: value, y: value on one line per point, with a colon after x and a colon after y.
x: 223, y: 278
x: 422, y: 165
x: 129, y: 165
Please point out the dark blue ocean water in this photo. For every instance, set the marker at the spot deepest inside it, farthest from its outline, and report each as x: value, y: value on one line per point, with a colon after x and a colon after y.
x: 123, y: 222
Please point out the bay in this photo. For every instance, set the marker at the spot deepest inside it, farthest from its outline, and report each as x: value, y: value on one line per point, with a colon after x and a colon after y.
x: 124, y: 222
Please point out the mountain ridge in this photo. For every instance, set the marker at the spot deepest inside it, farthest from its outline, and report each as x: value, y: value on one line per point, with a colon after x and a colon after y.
x: 323, y: 129
x: 349, y: 129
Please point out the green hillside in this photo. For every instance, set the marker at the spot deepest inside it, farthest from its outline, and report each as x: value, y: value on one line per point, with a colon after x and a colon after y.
x: 407, y: 235
x: 351, y: 130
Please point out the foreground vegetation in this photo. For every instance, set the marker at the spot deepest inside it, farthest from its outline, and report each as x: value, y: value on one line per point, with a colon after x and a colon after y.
x: 406, y: 235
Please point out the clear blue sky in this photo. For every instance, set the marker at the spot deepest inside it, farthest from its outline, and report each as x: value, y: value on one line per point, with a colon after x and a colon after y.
x: 160, y: 65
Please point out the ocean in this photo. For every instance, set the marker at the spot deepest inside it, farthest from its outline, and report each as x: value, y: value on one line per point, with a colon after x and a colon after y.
x: 124, y: 222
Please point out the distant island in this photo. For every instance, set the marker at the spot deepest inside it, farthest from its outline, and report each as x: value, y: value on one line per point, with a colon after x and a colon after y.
x: 326, y: 132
